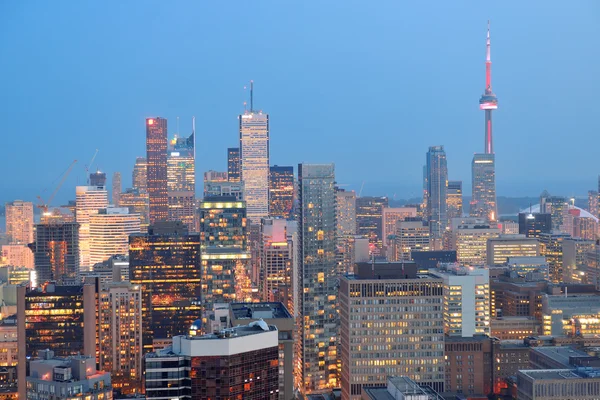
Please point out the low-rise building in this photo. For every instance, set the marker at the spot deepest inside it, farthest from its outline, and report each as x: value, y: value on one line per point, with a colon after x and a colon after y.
x: 572, y: 384
x: 400, y: 387
x: 515, y: 328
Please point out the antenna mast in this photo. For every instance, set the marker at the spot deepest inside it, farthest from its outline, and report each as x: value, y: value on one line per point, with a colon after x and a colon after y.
x: 251, y: 96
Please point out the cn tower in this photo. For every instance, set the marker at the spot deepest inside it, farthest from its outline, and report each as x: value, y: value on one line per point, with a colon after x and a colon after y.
x: 488, y: 100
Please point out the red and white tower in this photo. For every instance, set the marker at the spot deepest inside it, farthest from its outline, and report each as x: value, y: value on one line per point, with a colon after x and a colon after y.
x: 488, y: 100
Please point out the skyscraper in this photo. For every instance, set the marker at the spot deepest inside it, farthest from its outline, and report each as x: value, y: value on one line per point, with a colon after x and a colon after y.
x: 392, y: 215
x: 437, y: 191
x: 98, y: 179
x: 137, y: 202
x: 369, y: 218
x: 165, y: 263
x: 223, y: 238
x: 116, y: 189
x: 254, y: 159
x: 109, y: 233
x: 533, y: 224
x: 89, y: 199
x: 56, y: 251
x: 483, y: 201
x: 139, y: 177
x: 593, y: 202
x: 233, y: 164
x: 156, y: 155
x: 19, y: 222
x: 455, y: 199
x: 181, y: 179
x: 281, y: 191
x: 318, y: 279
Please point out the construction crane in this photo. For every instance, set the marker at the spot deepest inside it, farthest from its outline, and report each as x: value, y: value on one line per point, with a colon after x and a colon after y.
x: 43, y: 205
x: 88, y: 166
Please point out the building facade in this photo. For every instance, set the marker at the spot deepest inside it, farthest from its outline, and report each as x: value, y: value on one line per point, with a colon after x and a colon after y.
x: 534, y: 224
x: 89, y: 200
x: 369, y: 218
x: 156, y: 158
x: 281, y: 191
x: 233, y: 164
x: 138, y: 203
x: 455, y: 199
x: 109, y: 233
x: 483, y: 199
x: 499, y: 249
x: 19, y: 222
x: 551, y: 248
x: 437, y: 191
x: 56, y: 251
x: 470, y: 241
x: 139, y: 177
x: 411, y: 235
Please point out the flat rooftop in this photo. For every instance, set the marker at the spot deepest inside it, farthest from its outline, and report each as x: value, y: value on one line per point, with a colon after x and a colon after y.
x: 401, y: 384
x: 560, y: 354
x: 246, y: 330
x: 268, y: 310
x: 554, y: 374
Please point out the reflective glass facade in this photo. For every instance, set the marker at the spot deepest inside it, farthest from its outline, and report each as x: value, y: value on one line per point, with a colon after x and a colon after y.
x: 156, y: 156
x: 281, y: 191
x: 437, y: 191
x: 483, y: 200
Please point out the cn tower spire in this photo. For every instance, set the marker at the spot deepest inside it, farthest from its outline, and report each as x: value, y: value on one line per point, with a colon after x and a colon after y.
x: 488, y: 101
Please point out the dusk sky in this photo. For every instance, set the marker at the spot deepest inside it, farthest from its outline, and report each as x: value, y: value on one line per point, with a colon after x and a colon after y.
x: 366, y: 85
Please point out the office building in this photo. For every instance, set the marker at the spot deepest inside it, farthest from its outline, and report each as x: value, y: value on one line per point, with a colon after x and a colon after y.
x: 89, y: 200
x: 412, y: 235
x: 469, y: 365
x: 70, y: 329
x: 8, y: 354
x: 466, y: 300
x: 579, y: 223
x: 182, y: 207
x: 139, y: 176
x: 426, y: 260
x: 369, y: 218
x: 390, y: 217
x: 407, y: 308
x: 109, y: 232
x: 510, y: 357
x: 17, y: 255
x: 317, y: 343
x: 239, y: 362
x: 156, y: 156
x: 165, y: 263
x: 515, y: 328
x: 56, y: 251
x: 500, y: 248
x: 483, y: 199
x: 19, y: 222
x: 277, y: 315
x: 559, y: 384
x: 350, y: 250
x: 116, y: 188
x: 215, y: 176
x: 593, y: 203
x: 138, y: 203
x: 67, y: 378
x: 120, y: 335
x: 455, y: 199
x: 223, y: 238
x: 534, y: 224
x: 510, y: 228
x: 400, y: 387
x: 517, y: 298
x: 555, y: 206
x: 281, y: 191
x: 279, y: 261
x: 181, y: 179
x: 470, y: 242
x: 233, y: 164
x: 254, y: 163
x: 574, y: 252
x: 437, y: 191
x: 551, y: 248
x: 220, y: 188
x: 528, y: 267
x: 345, y: 212
x: 571, y: 315
x: 97, y: 179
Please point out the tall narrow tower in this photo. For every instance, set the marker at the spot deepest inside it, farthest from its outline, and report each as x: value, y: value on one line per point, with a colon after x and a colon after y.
x: 483, y: 200
x: 488, y: 100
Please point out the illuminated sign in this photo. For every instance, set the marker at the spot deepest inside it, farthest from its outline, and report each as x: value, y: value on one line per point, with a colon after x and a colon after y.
x: 247, y: 116
x: 488, y: 106
x: 150, y: 121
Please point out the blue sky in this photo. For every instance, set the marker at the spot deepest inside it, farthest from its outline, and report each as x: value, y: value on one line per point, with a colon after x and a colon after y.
x: 367, y: 85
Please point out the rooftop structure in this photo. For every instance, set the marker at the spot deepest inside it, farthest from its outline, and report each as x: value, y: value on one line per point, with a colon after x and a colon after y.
x: 400, y: 388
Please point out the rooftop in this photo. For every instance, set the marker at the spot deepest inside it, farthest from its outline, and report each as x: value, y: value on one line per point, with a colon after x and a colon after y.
x: 267, y: 310
x: 553, y: 374
x: 401, y: 385
x: 560, y: 354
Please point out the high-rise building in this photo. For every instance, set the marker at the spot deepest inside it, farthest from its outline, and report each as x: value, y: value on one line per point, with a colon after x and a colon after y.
x: 109, y: 233
x: 139, y: 177
x: 500, y: 248
x: 534, y: 224
x: 235, y: 363
x: 19, y: 222
x: 510, y: 227
x: 488, y: 101
x: 89, y: 200
x: 470, y: 241
x: 116, y: 189
x: 555, y: 206
x: 223, y: 238
x: 455, y: 199
x: 318, y: 279
x: 279, y: 261
x: 593, y: 203
x: 574, y: 252
x: 138, y: 203
x: 98, y: 179
x: 281, y: 191
x: 390, y: 217
x: 66, y: 378
x: 220, y: 188
x: 254, y: 162
x: 156, y: 156
x: 56, y: 251
x: 345, y: 212
x: 469, y: 365
x: 17, y: 255
x: 437, y: 191
x: 233, y: 164
x: 378, y: 289
x: 369, y: 218
x: 165, y: 263
x: 120, y: 335
x: 483, y: 200
x: 551, y: 248
x: 466, y: 300
x: 411, y: 235
x: 68, y: 330
x: 181, y: 180
x: 182, y: 207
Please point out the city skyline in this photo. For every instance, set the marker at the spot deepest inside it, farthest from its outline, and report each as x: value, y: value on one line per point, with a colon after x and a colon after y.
x: 456, y: 82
